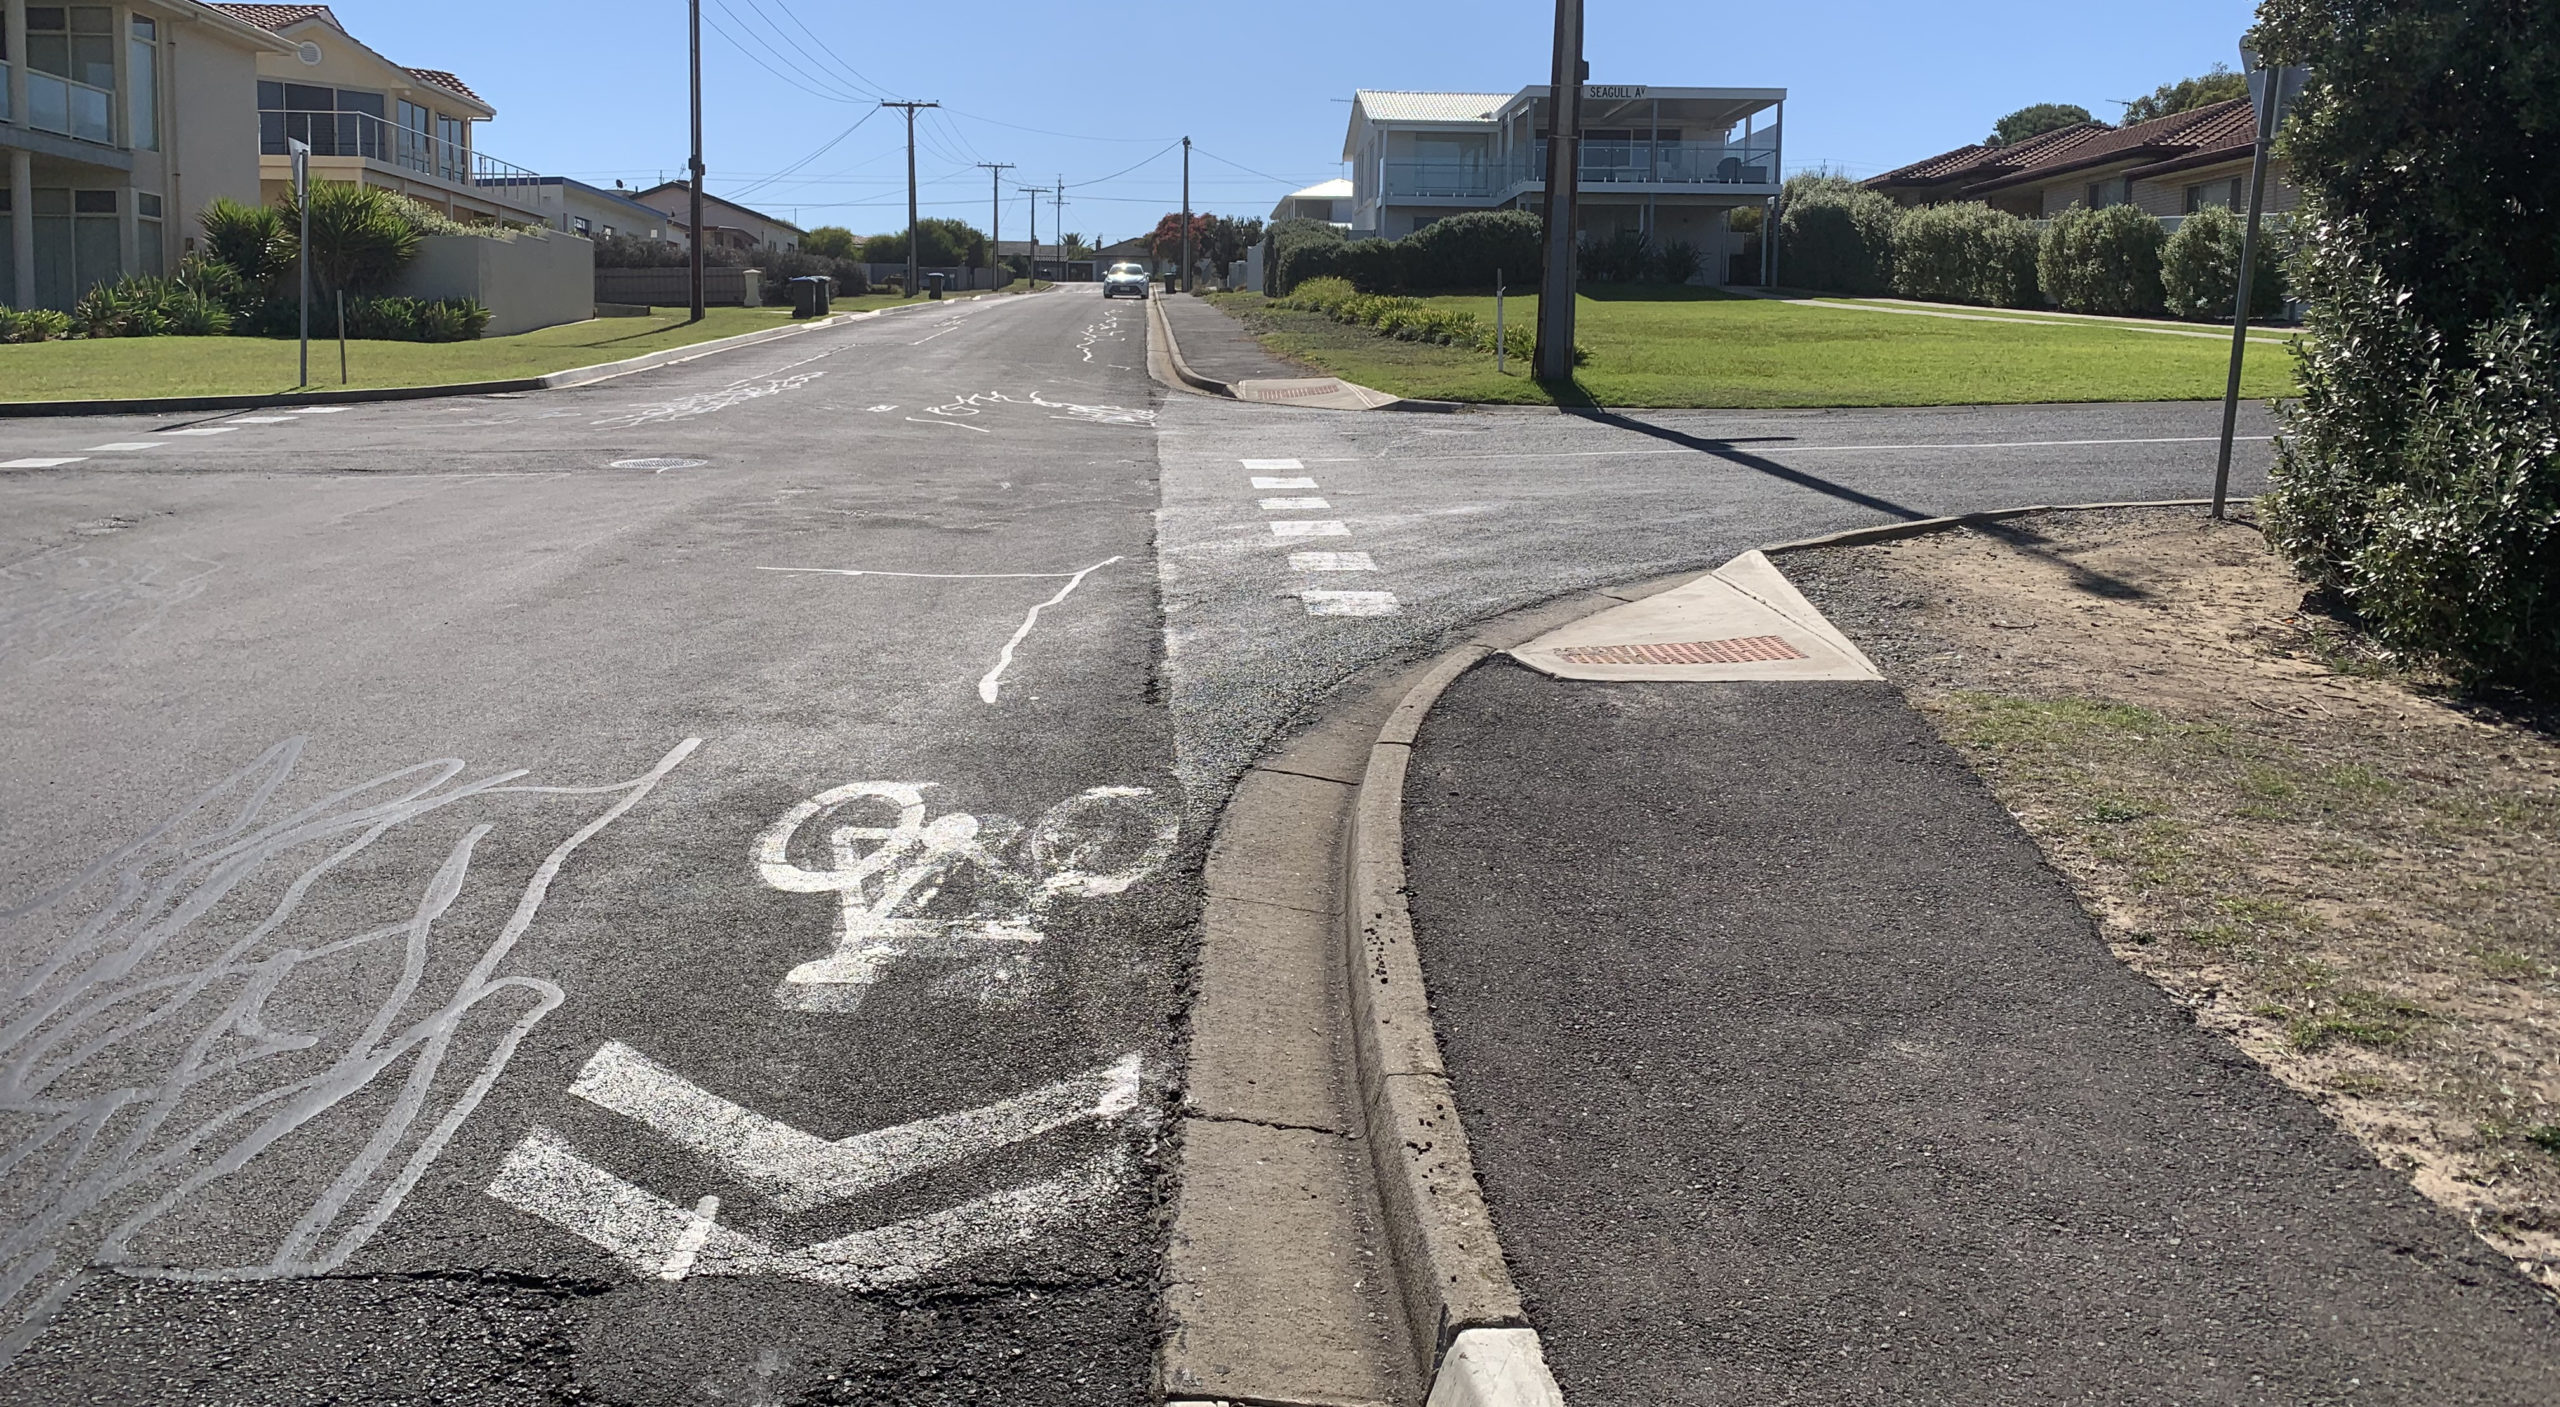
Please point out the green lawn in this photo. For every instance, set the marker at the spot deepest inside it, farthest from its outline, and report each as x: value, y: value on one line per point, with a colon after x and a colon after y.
x: 228, y: 366
x: 1699, y: 347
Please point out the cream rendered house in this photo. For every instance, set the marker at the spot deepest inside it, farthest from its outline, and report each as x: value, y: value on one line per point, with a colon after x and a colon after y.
x: 372, y: 121
x: 117, y: 124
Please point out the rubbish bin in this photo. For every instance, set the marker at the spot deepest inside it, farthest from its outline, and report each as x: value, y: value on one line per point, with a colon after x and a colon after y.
x: 808, y: 297
x: 826, y: 295
x: 1169, y: 281
x: 933, y: 285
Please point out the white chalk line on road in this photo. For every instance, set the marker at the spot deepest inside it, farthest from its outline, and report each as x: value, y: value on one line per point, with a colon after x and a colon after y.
x: 1775, y: 451
x: 988, y: 686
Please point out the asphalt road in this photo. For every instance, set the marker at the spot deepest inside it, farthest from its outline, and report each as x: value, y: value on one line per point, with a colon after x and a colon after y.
x: 1794, y: 1075
x: 495, y: 912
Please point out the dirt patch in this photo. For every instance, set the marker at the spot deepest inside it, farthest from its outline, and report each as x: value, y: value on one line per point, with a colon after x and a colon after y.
x: 2339, y: 865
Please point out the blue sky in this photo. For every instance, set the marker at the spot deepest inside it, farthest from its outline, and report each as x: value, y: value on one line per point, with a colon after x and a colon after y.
x: 596, y: 90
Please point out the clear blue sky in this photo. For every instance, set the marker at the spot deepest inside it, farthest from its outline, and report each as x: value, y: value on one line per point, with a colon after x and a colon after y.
x: 596, y: 90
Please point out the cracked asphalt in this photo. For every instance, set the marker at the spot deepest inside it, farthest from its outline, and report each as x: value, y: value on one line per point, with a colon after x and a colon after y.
x: 370, y: 778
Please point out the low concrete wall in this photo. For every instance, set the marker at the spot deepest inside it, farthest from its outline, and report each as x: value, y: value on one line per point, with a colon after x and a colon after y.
x: 954, y: 280
x: 673, y: 287
x: 532, y: 280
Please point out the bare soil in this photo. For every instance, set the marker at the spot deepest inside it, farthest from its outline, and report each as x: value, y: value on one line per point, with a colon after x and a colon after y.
x: 2341, y: 865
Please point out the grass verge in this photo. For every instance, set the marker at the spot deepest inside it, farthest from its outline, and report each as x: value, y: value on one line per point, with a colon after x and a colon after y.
x: 2349, y: 872
x: 122, y: 367
x: 1705, y: 348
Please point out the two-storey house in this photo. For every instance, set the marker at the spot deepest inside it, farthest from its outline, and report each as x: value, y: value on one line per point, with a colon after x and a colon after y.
x: 375, y: 122
x: 1672, y: 163
x: 118, y: 123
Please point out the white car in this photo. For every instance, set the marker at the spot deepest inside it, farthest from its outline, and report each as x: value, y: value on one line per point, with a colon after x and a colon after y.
x: 1124, y: 278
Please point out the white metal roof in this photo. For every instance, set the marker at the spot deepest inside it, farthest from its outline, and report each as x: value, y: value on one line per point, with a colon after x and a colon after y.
x: 1335, y: 189
x: 1390, y: 106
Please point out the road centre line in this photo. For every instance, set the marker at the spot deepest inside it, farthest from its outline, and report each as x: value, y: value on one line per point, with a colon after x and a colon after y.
x: 934, y: 576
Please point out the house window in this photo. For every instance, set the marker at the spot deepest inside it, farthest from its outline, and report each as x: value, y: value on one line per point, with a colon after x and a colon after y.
x: 78, y: 244
x: 148, y: 255
x: 335, y: 121
x: 580, y: 225
x: 453, y: 148
x: 415, y: 137
x: 142, y: 103
x: 77, y: 42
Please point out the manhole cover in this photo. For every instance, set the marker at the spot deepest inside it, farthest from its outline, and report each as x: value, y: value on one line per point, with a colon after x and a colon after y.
x: 661, y: 465
x: 1747, y: 650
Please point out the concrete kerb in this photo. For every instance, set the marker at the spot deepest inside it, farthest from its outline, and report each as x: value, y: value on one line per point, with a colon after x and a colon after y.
x: 1162, y: 327
x: 553, y: 381
x: 1448, y: 1263
x: 1177, y: 371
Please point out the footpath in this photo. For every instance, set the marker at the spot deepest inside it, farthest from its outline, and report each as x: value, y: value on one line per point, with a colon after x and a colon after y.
x: 1793, y: 1074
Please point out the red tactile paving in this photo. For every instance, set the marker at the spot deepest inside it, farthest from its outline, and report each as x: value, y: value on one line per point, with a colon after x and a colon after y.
x: 1747, y: 650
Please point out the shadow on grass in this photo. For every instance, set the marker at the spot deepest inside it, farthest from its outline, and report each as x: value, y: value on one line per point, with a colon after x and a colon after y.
x: 1581, y: 405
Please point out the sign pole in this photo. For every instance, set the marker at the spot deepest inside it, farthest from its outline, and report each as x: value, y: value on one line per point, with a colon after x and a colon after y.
x: 301, y: 153
x: 2272, y: 88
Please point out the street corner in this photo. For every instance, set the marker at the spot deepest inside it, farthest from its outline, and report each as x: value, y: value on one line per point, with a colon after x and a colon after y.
x: 1742, y: 622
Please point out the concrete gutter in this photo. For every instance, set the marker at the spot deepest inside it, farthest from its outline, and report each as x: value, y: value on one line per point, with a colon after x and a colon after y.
x: 557, y: 380
x: 1314, y: 393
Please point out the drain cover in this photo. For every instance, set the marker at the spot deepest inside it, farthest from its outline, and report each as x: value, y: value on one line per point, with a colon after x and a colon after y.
x: 1747, y: 650
x: 661, y: 465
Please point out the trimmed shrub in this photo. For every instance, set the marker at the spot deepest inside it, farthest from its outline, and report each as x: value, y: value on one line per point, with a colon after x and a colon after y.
x: 1312, y: 259
x: 1469, y: 251
x: 1965, y: 254
x: 2419, y: 474
x: 2200, y: 269
x: 1835, y: 237
x: 1280, y: 273
x: 33, y: 325
x: 2103, y: 261
x: 1411, y: 319
x: 360, y: 238
x: 142, y: 306
x: 1372, y: 265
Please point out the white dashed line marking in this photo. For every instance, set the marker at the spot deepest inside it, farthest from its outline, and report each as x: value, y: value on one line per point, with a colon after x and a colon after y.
x: 1331, y: 562
x: 1293, y: 505
x: 1263, y: 483
x: 42, y: 463
x: 1350, y: 603
x: 124, y: 447
x: 1323, y: 528
x: 318, y: 410
x: 1273, y: 464
x: 259, y: 420
x: 204, y: 430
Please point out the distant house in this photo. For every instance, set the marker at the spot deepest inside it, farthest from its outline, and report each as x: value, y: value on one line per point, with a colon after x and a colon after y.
x: 1329, y: 201
x: 728, y: 226
x: 1670, y: 163
x: 117, y: 125
x: 2170, y: 166
x: 373, y: 121
x: 593, y: 211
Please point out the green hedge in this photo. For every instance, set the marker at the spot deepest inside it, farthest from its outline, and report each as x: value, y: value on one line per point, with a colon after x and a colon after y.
x: 1965, y: 254
x: 2418, y: 476
x: 2103, y: 261
x: 1297, y: 250
x: 1835, y: 237
x: 1409, y: 319
x: 2200, y: 269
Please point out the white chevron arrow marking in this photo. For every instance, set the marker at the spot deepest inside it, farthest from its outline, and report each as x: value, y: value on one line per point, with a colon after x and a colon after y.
x: 799, y: 1170
x: 657, y: 1238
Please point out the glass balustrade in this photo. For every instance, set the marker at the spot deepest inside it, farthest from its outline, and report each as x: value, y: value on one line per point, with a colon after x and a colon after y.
x: 56, y: 104
x: 363, y: 135
x: 1752, y: 163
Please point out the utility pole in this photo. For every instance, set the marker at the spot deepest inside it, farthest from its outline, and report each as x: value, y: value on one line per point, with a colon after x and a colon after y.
x: 1186, y: 214
x: 995, y: 207
x: 913, y: 277
x: 1035, y: 192
x: 1564, y: 170
x: 693, y: 261
x: 2274, y: 90
x: 1058, y: 209
x: 301, y: 155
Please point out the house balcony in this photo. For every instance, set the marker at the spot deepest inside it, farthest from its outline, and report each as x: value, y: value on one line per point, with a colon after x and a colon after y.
x: 1740, y: 168
x: 63, y: 107
x: 356, y: 146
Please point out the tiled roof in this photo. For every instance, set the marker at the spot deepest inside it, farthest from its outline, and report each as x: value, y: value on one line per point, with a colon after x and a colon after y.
x: 2163, y: 141
x: 1388, y: 106
x: 276, y: 17
x: 442, y: 79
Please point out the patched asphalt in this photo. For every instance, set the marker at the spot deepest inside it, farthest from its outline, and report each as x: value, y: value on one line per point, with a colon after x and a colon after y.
x: 577, y: 583
x: 1793, y: 1075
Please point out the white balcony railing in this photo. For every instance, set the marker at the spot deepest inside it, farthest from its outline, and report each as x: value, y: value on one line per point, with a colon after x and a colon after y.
x: 56, y: 104
x: 400, y: 148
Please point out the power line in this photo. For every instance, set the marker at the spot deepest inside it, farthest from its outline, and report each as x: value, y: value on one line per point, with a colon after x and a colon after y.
x: 1045, y: 132
x: 1123, y: 171
x: 755, y: 186
x: 1213, y: 156
x: 788, y: 52
x: 759, y: 61
x: 829, y: 49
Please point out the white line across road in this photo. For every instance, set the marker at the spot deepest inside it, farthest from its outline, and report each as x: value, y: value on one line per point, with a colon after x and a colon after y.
x: 1319, y: 602
x: 204, y: 430
x: 55, y: 463
x: 126, y: 446
x: 1331, y: 562
x: 1323, y: 528
x: 1350, y: 603
x: 1265, y: 482
x: 1294, y: 505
